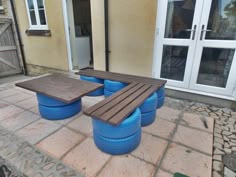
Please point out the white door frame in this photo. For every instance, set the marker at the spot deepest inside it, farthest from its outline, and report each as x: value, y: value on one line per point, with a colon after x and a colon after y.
x: 227, y: 44
x: 160, y: 41
x: 67, y: 34
x: 188, y: 85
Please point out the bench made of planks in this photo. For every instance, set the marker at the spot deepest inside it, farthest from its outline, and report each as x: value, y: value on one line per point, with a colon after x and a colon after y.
x: 120, y: 105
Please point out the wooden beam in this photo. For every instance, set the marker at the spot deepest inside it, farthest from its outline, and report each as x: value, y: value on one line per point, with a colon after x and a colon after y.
x: 6, y: 48
x: 7, y: 63
x: 4, y: 28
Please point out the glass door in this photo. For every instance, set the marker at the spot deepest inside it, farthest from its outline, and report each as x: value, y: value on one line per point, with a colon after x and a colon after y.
x: 214, y: 66
x: 177, y: 33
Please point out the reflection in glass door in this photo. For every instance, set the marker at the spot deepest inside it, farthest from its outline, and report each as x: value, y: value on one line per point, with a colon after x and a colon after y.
x: 177, y: 39
x: 215, y: 51
x: 195, y: 45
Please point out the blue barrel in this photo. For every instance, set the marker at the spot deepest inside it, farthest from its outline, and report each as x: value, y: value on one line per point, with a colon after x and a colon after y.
x: 113, y: 86
x: 160, y: 97
x: 97, y: 92
x: 107, y: 93
x: 148, y: 118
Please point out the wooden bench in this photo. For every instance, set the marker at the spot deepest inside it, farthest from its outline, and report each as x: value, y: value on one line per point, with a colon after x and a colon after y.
x: 126, y: 78
x: 117, y: 107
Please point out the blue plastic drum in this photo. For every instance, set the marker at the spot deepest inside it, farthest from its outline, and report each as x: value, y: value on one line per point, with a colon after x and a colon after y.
x: 149, y: 104
x: 48, y: 101
x: 60, y: 112
x: 113, y: 86
x: 148, y: 118
x: 128, y: 127
x: 160, y: 102
x: 107, y: 93
x: 97, y: 92
x: 161, y: 92
x: 117, y: 146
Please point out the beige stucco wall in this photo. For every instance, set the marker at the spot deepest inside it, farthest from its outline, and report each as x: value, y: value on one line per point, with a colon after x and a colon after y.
x: 44, y: 51
x: 132, y: 29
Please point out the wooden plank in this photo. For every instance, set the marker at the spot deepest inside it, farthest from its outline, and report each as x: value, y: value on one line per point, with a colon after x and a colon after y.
x: 109, y: 114
x: 60, y: 87
x: 121, y: 77
x: 107, y: 100
x: 7, y: 48
x: 117, y: 100
x: 119, y: 117
x: 8, y: 63
x: 4, y: 28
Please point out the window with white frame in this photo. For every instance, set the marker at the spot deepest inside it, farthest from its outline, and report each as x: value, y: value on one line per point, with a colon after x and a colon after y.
x: 37, y: 14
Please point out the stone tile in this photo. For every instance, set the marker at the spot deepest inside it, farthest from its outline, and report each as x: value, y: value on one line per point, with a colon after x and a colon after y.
x: 160, y: 128
x: 24, y: 90
x: 9, y: 111
x: 3, y: 104
x: 124, y: 166
x: 28, y: 103
x: 167, y: 113
x: 194, y: 120
x: 150, y: 149
x: 89, y: 101
x: 20, y: 120
x: 7, y: 93
x: 17, y: 98
x: 196, y: 139
x: 162, y: 173
x: 82, y: 124
x: 35, y: 109
x: 86, y: 158
x: 60, y: 142
x: 38, y: 130
x: 186, y: 161
x: 66, y: 121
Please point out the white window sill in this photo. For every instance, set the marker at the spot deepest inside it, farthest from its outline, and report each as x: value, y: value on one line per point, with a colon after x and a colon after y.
x: 38, y: 32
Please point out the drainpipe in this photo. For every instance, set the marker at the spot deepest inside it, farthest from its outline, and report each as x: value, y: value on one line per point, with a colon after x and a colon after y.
x: 19, y: 37
x: 107, y: 51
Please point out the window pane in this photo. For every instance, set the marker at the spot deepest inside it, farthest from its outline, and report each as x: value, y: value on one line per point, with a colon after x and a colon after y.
x: 31, y: 4
x: 179, y: 18
x: 215, y: 66
x: 174, y: 62
x: 40, y: 4
x: 222, y: 20
x: 42, y: 17
x: 32, y: 17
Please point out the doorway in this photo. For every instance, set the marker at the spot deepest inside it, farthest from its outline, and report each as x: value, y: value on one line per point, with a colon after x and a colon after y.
x: 80, y: 32
x: 195, y: 45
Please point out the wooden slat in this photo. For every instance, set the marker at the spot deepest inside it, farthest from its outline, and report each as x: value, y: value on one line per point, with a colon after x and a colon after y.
x: 109, y: 114
x: 107, y: 100
x: 121, y: 77
x: 6, y: 48
x: 117, y: 100
x: 8, y: 63
x: 60, y: 87
x: 117, y: 118
x: 4, y: 28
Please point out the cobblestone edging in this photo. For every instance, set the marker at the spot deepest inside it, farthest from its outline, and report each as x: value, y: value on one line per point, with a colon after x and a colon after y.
x: 26, y: 160
x: 224, y: 133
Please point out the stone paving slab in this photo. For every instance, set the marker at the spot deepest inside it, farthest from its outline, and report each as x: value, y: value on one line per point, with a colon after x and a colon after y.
x: 30, y: 161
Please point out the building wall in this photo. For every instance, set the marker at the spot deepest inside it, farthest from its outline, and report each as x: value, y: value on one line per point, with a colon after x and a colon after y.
x: 131, y: 35
x: 50, y: 52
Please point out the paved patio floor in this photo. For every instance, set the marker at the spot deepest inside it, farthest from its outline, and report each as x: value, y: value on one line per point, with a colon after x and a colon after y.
x: 176, y: 142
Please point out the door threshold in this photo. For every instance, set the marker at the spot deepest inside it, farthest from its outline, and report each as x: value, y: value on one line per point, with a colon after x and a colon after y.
x: 231, y: 98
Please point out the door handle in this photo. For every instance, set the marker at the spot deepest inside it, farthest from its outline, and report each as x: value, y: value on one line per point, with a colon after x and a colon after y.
x: 193, y: 30
x: 203, y: 30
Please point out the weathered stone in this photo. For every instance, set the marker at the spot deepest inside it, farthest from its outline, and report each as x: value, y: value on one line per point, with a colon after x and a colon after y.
x: 218, y: 130
x: 233, y: 137
x: 217, y: 145
x: 218, y: 152
x: 226, y: 145
x: 226, y: 128
x: 216, y: 174
x: 234, y: 149
x: 217, y: 157
x: 219, y: 140
x: 227, y: 133
x: 217, y: 135
x: 226, y: 110
x: 201, y: 109
x: 229, y: 173
x: 234, y: 141
x: 231, y: 144
x: 213, y: 108
x: 217, y: 166
x: 233, y: 114
x: 226, y: 138
x: 227, y: 150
